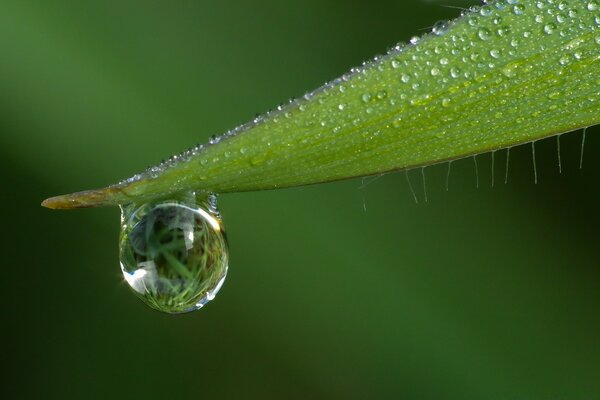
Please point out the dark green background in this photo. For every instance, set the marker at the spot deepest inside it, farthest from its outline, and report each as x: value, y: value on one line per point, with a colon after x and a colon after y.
x: 488, y: 293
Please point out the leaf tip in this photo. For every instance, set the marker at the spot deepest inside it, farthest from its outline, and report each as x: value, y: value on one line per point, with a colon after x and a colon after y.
x: 85, y: 199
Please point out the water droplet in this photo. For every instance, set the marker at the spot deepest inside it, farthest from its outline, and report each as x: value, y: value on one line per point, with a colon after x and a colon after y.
x: 445, y: 102
x: 484, y: 34
x: 397, y: 123
x: 519, y: 9
x: 435, y: 71
x: 440, y: 28
x: 485, y: 11
x: 382, y: 94
x: 341, y: 107
x: 173, y: 253
x: 454, y: 72
x: 549, y: 28
x: 510, y: 70
x: 366, y: 97
x: 495, y: 53
x: 592, y: 5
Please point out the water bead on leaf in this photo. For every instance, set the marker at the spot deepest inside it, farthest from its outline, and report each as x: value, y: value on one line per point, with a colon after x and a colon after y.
x: 173, y: 253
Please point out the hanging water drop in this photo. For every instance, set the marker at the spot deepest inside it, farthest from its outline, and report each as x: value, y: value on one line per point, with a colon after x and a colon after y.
x: 173, y: 253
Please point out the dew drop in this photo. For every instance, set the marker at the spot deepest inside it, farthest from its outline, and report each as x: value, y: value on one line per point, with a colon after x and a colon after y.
x: 473, y: 21
x: 173, y: 253
x: 510, y: 70
x: 440, y: 28
x: 549, y: 28
x: 484, y: 34
x: 485, y: 11
x: 592, y: 5
x: 519, y: 9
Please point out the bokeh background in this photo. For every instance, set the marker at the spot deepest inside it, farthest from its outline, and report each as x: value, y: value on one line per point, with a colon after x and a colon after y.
x: 346, y: 290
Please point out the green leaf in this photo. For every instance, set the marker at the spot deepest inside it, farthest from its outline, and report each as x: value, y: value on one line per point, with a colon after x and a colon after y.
x: 506, y: 73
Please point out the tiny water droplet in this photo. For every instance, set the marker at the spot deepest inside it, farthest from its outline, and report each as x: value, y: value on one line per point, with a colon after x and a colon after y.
x: 485, y: 11
x: 440, y: 28
x: 382, y: 94
x: 519, y: 9
x: 484, y: 34
x: 397, y: 123
x: 173, y: 253
x: 592, y: 5
x: 549, y: 28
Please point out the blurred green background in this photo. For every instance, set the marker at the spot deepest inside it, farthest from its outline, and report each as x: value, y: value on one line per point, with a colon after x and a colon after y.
x: 345, y: 290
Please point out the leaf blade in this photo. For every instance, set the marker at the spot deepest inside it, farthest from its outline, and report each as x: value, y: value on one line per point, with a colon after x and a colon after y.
x: 507, y: 73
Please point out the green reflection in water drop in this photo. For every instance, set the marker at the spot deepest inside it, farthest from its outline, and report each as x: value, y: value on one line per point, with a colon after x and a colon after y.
x: 173, y: 253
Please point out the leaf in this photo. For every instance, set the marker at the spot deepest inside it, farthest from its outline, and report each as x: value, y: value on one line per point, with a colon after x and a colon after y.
x: 506, y: 73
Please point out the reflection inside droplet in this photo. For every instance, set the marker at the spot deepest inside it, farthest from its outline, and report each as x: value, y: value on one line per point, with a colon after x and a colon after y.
x: 173, y: 253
